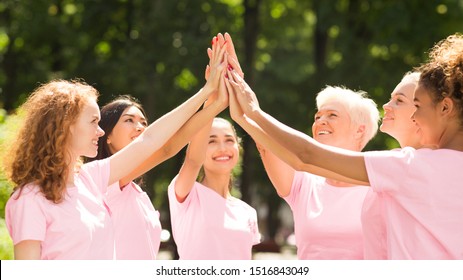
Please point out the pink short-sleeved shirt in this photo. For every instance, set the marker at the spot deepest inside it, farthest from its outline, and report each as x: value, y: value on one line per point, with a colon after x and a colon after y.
x: 136, y: 223
x: 207, y: 226
x: 374, y: 226
x: 326, y: 218
x: 422, y: 192
x: 79, y: 227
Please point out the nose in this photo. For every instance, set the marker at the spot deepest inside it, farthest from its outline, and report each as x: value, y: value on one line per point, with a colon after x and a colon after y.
x: 321, y: 120
x: 387, y: 106
x: 100, y: 132
x: 140, y: 127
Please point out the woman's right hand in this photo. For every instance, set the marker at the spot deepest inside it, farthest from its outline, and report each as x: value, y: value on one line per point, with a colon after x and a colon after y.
x: 217, y: 66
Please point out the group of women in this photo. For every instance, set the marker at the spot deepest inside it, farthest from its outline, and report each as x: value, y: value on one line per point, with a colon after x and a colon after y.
x: 347, y: 204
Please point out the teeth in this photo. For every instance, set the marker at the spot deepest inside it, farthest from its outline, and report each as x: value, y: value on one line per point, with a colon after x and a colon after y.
x: 95, y: 142
x: 324, y: 132
x: 222, y: 158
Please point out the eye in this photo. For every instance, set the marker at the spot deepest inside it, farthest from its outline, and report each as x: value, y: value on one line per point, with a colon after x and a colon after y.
x: 333, y: 115
x: 317, y: 117
x: 145, y: 124
x: 129, y: 120
x: 211, y: 141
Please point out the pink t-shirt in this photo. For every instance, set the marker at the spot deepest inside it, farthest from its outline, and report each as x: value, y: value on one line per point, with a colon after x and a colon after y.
x: 374, y: 226
x: 136, y: 223
x: 422, y: 192
x: 207, y: 226
x: 77, y: 228
x: 326, y: 218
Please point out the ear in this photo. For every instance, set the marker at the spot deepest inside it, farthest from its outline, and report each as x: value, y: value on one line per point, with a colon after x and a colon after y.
x: 360, y: 131
x: 108, y: 141
x: 447, y: 106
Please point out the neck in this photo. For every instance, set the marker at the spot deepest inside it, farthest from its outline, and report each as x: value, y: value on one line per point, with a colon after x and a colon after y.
x: 452, y: 140
x: 73, y: 168
x: 217, y: 182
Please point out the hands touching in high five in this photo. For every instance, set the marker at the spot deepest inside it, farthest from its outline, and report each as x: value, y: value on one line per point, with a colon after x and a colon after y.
x: 232, y: 87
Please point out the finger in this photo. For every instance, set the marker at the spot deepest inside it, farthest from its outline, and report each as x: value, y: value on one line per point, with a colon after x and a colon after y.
x: 207, y: 72
x: 221, y: 54
x: 209, y: 53
x: 220, y: 39
x: 231, y: 46
x: 235, y: 65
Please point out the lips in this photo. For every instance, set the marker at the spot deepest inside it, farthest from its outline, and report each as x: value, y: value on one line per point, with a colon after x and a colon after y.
x: 222, y: 158
x: 324, y: 132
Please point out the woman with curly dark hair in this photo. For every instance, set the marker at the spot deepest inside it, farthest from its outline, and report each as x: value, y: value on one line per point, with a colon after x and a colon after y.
x: 421, y: 188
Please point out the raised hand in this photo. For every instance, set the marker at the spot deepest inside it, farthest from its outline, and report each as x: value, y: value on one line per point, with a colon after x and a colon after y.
x: 244, y: 95
x: 236, y: 113
x: 232, y: 57
x: 216, y: 67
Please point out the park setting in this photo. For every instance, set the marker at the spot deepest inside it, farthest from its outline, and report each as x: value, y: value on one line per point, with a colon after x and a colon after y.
x: 156, y: 52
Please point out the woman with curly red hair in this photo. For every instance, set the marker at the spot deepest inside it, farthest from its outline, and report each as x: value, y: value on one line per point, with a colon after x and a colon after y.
x: 57, y: 210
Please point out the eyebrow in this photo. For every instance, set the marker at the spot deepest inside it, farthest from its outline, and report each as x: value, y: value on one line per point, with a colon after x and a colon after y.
x: 327, y: 110
x: 398, y: 93
x: 133, y: 116
x: 215, y: 136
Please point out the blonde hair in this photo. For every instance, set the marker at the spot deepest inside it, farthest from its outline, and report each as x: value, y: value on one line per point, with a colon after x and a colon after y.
x: 362, y: 110
x: 40, y: 153
x: 412, y: 76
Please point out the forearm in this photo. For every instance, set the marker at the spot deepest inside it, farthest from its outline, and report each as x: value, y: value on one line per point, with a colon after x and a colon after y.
x: 171, y: 122
x: 153, y: 138
x: 176, y: 142
x: 313, y: 157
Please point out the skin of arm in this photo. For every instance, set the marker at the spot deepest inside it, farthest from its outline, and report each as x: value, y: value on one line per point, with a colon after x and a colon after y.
x: 159, y: 132
x: 298, y: 150
x: 179, y: 140
x: 27, y: 250
x: 195, y: 153
x: 280, y: 173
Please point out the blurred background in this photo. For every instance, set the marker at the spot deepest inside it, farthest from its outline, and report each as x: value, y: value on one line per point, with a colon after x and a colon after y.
x: 155, y: 50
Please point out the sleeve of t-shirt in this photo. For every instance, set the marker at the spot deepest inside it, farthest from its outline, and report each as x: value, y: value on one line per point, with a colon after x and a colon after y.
x: 256, y: 234
x: 300, y: 179
x: 24, y: 216
x: 174, y: 205
x: 99, y: 170
x: 112, y: 194
x: 387, y: 170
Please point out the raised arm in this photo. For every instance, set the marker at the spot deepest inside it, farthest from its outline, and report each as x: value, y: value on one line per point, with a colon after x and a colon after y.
x: 280, y: 173
x: 159, y: 132
x: 195, y: 154
x: 298, y: 150
x: 178, y: 140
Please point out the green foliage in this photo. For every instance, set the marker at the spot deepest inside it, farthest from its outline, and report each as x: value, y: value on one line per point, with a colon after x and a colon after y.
x: 8, y: 127
x: 6, y: 245
x: 156, y: 51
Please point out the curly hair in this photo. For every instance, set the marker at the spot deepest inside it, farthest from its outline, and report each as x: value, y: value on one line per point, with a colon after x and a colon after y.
x: 40, y: 154
x: 442, y: 75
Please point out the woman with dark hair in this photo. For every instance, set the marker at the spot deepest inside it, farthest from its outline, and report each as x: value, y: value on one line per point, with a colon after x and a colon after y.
x: 57, y: 210
x: 421, y: 188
